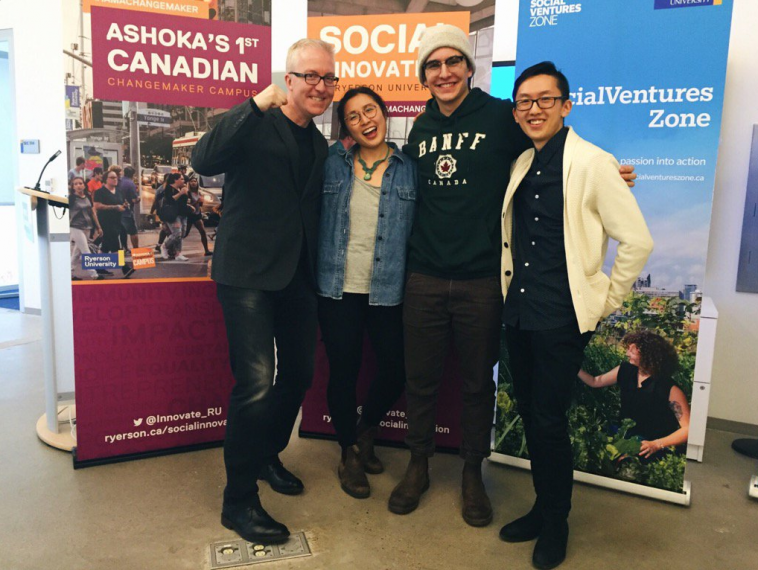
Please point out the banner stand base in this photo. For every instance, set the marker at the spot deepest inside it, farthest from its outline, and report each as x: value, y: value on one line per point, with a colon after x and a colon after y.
x: 615, y: 484
x: 65, y: 439
x: 80, y: 464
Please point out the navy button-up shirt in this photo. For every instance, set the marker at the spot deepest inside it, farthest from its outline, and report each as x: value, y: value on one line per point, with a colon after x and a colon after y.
x: 539, y: 296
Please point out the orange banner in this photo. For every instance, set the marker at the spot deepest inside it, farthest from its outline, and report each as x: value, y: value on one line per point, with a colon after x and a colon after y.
x: 187, y: 8
x: 380, y: 51
x: 143, y: 257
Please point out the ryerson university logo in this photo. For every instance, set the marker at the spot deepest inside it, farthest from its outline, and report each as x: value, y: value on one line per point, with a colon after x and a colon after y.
x: 664, y: 4
x: 546, y: 12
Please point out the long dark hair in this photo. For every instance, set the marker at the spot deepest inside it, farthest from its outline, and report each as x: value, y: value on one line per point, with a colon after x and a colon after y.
x: 355, y: 91
x: 71, y: 184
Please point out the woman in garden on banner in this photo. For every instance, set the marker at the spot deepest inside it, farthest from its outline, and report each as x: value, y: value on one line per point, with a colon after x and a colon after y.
x: 649, y: 396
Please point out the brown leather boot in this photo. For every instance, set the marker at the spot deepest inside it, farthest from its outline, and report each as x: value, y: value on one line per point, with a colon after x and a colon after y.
x: 405, y: 497
x: 366, y: 437
x: 352, y: 477
x: 477, y: 509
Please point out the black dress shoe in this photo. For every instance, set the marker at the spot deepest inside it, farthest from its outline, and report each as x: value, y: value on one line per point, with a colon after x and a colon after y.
x: 523, y: 529
x: 281, y: 480
x: 550, y: 550
x: 254, y: 524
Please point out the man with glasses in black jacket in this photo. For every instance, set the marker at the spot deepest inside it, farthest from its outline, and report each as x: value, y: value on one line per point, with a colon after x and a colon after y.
x: 264, y: 266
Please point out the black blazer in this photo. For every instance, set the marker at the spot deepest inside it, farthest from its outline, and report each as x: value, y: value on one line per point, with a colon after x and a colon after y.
x: 260, y: 235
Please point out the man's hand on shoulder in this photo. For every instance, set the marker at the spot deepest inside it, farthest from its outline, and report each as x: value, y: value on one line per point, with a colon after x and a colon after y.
x: 272, y: 97
x: 627, y: 173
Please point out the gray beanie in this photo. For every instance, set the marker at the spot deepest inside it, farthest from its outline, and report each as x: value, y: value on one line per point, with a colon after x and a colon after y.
x: 443, y: 35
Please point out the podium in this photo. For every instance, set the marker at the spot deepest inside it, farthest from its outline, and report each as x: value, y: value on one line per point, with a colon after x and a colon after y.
x: 49, y: 429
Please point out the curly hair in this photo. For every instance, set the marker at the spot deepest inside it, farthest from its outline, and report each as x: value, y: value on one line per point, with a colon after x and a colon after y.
x: 657, y: 355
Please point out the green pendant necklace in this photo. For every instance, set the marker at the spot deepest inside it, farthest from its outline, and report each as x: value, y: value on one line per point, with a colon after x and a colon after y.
x: 370, y: 170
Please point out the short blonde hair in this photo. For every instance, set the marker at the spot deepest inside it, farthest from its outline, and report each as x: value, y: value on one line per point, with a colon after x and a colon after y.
x: 305, y: 43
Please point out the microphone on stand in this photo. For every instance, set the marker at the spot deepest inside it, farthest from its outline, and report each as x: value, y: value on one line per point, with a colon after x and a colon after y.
x: 52, y: 158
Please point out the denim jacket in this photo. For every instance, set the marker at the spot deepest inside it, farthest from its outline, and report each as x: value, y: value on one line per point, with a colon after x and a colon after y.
x: 397, y: 207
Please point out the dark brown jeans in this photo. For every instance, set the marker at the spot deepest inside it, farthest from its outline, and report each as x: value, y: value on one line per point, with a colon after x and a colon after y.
x: 436, y: 311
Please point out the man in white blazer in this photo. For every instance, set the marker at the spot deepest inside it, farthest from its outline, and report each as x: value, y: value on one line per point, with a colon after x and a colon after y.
x: 564, y: 199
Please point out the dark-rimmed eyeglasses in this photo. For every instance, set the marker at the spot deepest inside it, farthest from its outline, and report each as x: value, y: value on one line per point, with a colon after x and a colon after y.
x: 315, y: 78
x: 369, y: 111
x: 542, y: 103
x: 450, y: 62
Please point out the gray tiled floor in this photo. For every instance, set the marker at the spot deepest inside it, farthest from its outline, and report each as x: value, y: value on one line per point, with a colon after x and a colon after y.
x: 162, y: 513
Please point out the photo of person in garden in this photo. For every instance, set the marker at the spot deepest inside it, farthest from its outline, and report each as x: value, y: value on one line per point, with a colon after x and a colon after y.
x: 649, y: 397
x: 636, y: 428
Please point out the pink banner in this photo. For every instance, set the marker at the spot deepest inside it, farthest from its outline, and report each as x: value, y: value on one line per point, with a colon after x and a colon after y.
x: 316, y: 420
x: 151, y: 364
x: 173, y: 60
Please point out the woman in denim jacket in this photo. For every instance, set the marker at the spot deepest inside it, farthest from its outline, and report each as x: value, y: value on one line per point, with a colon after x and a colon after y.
x: 367, y: 209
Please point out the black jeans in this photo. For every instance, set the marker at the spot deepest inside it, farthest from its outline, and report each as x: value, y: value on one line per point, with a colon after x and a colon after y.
x: 343, y: 323
x: 544, y: 365
x: 262, y: 412
x: 468, y: 312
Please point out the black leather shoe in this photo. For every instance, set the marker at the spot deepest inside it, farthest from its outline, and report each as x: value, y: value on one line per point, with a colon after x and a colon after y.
x: 281, y: 480
x: 523, y: 529
x: 254, y: 524
x: 550, y: 550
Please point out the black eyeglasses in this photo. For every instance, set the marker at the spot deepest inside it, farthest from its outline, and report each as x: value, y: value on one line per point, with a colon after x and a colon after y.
x: 436, y: 65
x: 315, y: 78
x: 354, y: 118
x: 542, y: 103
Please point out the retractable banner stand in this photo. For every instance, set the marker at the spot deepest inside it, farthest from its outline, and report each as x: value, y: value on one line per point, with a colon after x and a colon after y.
x: 647, y: 82
x: 151, y: 356
x: 380, y: 51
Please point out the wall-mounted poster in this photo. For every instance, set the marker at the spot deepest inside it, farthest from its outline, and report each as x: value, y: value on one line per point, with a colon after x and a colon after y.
x: 747, y: 272
x: 149, y: 79
x: 653, y: 98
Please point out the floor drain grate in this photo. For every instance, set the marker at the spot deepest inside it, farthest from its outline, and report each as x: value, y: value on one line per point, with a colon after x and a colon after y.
x: 242, y: 553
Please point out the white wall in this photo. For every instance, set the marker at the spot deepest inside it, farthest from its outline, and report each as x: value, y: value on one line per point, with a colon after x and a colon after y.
x: 39, y: 112
x: 289, y: 23
x: 9, y: 251
x: 506, y: 30
x: 37, y: 67
x: 734, y: 390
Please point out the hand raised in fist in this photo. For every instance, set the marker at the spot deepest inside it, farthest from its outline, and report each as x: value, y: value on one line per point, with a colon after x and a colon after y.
x: 271, y: 97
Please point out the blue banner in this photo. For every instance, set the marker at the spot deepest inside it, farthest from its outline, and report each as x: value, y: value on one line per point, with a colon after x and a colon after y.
x: 103, y: 260
x: 73, y: 96
x: 647, y: 85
